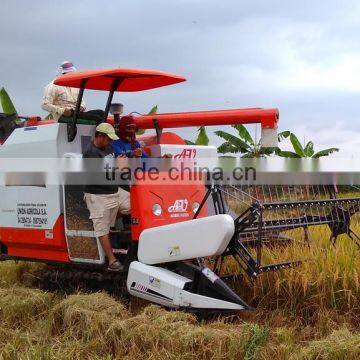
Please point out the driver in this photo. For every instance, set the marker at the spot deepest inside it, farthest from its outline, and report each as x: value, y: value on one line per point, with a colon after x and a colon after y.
x: 60, y: 101
x: 127, y: 145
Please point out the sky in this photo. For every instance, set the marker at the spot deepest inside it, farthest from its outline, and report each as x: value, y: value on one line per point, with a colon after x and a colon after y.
x: 302, y: 58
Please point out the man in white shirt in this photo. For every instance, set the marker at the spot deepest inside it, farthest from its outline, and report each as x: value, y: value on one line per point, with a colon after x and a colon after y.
x: 60, y: 101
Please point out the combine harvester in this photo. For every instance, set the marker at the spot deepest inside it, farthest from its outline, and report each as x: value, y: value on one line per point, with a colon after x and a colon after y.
x: 175, y: 228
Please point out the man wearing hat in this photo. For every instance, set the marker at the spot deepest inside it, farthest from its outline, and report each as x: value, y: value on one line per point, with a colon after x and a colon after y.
x: 105, y: 201
x: 60, y: 101
x: 127, y: 145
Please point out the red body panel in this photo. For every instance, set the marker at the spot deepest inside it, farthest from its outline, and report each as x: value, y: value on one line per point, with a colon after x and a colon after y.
x: 37, y: 243
x: 165, y: 138
x: 175, y: 199
x: 38, y: 122
x: 148, y: 140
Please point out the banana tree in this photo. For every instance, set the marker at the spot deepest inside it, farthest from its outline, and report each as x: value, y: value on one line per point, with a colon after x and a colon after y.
x: 202, y: 138
x: 243, y: 143
x: 306, y: 151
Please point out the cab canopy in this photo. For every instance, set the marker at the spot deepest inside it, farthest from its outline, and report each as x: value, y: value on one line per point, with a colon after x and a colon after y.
x: 118, y: 79
x: 111, y: 80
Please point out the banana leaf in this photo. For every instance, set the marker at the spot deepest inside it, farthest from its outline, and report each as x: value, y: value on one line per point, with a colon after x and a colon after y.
x: 297, y: 146
x: 244, y: 134
x: 309, y: 149
x: 202, y: 138
x: 287, y: 154
x: 226, y: 147
x: 325, y: 152
x: 283, y: 135
x: 153, y: 111
x: 236, y: 142
x: 6, y: 103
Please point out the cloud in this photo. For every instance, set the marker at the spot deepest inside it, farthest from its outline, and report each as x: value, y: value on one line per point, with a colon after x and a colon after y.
x: 300, y: 57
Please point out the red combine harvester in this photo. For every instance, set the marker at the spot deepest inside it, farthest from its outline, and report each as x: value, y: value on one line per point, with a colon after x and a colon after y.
x: 174, y: 227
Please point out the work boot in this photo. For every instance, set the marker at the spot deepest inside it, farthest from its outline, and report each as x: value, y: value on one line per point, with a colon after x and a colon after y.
x: 116, y: 266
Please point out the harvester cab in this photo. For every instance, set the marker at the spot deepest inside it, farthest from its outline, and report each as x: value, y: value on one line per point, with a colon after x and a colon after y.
x: 181, y: 231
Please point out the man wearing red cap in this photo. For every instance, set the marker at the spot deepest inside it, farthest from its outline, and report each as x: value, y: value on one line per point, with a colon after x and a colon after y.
x: 127, y: 145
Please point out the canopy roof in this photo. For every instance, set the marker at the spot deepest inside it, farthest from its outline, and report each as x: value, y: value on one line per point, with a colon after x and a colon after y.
x: 127, y: 79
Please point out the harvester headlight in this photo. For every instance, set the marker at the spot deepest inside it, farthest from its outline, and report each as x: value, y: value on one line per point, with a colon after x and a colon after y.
x: 157, y: 210
x: 195, y: 206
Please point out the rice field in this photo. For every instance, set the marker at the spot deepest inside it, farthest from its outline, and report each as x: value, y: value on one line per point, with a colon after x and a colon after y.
x: 309, y: 312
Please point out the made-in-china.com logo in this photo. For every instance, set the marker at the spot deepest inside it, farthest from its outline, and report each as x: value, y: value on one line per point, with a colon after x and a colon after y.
x: 179, y: 206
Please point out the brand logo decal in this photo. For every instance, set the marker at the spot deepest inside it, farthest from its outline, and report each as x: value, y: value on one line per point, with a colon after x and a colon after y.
x: 186, y: 154
x: 179, y: 206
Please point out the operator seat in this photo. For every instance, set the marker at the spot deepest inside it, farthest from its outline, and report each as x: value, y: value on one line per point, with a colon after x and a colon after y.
x: 91, y: 117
